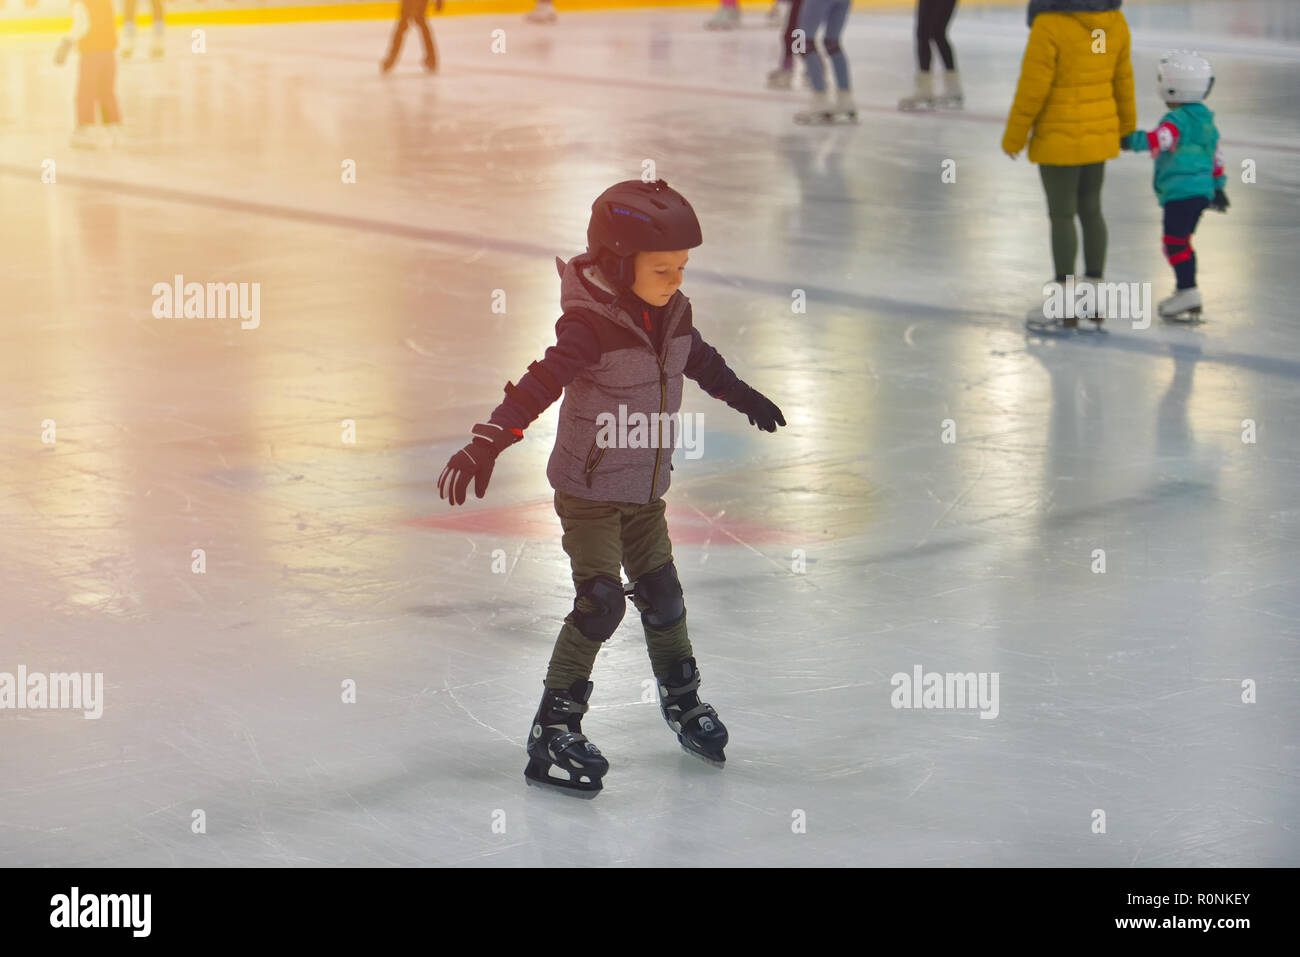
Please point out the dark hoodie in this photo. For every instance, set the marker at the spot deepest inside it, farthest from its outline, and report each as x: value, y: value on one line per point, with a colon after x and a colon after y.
x: 1070, y: 6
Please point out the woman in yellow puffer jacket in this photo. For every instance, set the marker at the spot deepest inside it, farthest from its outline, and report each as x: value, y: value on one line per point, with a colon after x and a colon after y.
x: 1073, y: 103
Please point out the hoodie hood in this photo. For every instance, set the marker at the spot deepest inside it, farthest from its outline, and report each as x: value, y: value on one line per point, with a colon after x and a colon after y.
x: 1070, y: 6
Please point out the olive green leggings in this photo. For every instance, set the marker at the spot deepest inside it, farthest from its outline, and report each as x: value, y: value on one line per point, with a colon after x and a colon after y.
x: 1076, y: 191
x: 601, y: 538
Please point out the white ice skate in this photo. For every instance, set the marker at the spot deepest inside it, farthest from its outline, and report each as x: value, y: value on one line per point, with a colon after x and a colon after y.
x: 544, y: 12
x: 823, y: 111
x: 114, y: 131
x: 951, y: 98
x: 1056, y: 315
x: 158, y: 47
x: 1183, y: 306
x: 922, y: 97
x: 780, y: 79
x: 83, y: 138
x: 727, y: 18
x: 128, y: 43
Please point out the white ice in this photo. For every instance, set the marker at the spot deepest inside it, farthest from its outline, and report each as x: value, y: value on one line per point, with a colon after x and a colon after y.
x: 329, y: 562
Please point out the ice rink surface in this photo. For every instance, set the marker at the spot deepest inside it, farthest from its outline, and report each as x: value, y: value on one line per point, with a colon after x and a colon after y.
x: 329, y: 562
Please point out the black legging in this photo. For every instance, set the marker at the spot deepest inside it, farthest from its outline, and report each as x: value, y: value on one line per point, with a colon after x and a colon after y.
x: 932, y: 18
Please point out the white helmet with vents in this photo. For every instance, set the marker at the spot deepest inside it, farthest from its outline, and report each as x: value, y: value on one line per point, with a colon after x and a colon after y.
x: 1184, y: 77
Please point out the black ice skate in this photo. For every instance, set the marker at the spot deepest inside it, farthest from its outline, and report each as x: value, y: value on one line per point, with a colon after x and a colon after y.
x: 559, y: 754
x: 698, y: 728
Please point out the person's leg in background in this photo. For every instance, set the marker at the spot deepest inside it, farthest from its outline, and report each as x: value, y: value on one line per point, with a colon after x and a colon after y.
x: 1093, y: 224
x: 83, y: 135
x: 419, y: 16
x: 727, y: 17
x: 953, y: 97
x: 922, y: 97
x: 1061, y: 184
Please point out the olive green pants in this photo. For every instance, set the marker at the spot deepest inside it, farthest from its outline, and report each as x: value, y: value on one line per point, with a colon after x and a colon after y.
x: 1076, y: 191
x: 599, y: 538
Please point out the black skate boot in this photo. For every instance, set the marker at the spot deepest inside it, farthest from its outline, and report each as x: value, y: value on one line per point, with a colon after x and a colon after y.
x: 559, y: 754
x: 697, y: 725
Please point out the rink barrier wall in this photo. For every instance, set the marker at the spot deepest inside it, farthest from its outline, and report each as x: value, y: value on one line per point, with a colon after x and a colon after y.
x: 50, y: 16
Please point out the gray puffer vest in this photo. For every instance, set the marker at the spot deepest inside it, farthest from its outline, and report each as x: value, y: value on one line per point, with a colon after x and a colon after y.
x: 633, y: 388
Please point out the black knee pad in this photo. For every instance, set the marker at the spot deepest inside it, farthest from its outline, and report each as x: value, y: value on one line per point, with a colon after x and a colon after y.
x: 659, y: 596
x: 832, y: 46
x: 606, y: 594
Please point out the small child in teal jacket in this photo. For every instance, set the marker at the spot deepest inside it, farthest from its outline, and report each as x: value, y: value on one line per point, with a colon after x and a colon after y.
x: 1188, y: 169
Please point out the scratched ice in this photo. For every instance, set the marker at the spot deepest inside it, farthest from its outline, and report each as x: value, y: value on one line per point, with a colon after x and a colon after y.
x: 329, y: 562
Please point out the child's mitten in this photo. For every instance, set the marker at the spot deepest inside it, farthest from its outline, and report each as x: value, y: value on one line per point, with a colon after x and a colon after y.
x: 475, y: 461
x: 1220, y: 202
x: 761, y: 410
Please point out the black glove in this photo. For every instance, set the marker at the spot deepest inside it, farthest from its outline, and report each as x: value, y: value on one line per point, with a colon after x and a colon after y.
x: 761, y: 410
x: 474, y: 461
x: 1123, y: 143
x: 1220, y: 202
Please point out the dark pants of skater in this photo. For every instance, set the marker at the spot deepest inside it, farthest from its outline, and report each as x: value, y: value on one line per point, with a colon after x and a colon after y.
x: 600, y: 538
x: 932, y: 18
x: 1181, y: 217
x: 95, y: 79
x: 1076, y: 191
x: 791, y: 24
x: 412, y: 15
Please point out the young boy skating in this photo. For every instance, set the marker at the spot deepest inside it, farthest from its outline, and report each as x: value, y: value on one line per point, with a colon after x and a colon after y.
x: 1188, y: 169
x: 626, y: 339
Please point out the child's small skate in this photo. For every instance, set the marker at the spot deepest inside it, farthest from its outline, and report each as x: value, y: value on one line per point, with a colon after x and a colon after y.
x: 697, y: 725
x: 1183, y: 306
x: 559, y: 754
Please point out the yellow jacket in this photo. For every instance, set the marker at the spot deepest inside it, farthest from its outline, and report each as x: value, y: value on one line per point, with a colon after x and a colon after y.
x: 1075, y: 91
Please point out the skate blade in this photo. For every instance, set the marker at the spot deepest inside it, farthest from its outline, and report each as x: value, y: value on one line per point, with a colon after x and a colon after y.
x: 1053, y: 330
x: 1189, y: 317
x: 825, y: 119
x: 713, y: 762
x: 558, y: 787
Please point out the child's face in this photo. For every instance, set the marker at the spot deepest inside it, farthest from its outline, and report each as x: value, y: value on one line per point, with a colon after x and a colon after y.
x: 658, y: 275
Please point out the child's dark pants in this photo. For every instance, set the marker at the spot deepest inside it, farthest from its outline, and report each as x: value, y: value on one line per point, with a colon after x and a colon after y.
x: 601, y: 538
x: 1181, y: 217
